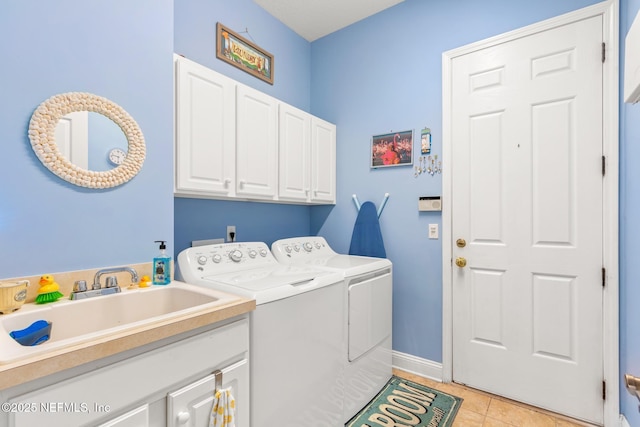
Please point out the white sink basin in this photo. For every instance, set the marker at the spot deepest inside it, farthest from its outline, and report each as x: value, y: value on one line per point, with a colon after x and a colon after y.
x: 78, y: 321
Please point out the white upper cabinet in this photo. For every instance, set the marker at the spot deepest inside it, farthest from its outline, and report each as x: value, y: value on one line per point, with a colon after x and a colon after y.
x: 295, y: 153
x: 307, y: 157
x: 323, y: 161
x: 256, y: 144
x: 205, y: 131
x: 234, y: 142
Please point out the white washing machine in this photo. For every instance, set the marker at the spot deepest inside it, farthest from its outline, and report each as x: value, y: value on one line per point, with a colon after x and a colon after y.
x: 297, y: 330
x: 368, y: 285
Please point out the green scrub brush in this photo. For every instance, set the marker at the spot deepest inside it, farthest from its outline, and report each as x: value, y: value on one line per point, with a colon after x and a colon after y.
x: 49, y: 290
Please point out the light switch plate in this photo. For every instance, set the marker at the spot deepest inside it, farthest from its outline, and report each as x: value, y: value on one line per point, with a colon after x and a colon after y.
x: 433, y: 231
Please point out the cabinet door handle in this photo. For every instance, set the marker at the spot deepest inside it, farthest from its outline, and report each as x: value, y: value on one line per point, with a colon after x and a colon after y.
x: 241, y: 184
x: 227, y: 182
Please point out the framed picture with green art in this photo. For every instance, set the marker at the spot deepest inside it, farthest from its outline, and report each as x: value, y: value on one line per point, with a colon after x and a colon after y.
x: 243, y: 54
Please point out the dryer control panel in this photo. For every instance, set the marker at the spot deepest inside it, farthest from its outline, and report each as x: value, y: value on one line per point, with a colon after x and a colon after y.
x: 299, y: 249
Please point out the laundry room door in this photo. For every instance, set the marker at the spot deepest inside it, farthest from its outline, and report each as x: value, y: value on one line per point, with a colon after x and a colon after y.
x: 527, y: 215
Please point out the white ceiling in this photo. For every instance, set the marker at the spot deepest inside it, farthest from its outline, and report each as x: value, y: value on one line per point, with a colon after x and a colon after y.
x: 313, y: 19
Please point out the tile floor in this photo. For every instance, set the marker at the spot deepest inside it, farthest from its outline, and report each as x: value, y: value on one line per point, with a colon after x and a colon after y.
x: 480, y: 409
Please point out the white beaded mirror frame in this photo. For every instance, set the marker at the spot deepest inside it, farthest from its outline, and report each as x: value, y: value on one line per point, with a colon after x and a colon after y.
x: 42, y: 135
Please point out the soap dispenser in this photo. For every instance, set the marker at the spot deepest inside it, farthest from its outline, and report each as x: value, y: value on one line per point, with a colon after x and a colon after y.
x: 162, y: 266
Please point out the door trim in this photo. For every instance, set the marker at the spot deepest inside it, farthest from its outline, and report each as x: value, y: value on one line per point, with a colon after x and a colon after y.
x: 610, y: 12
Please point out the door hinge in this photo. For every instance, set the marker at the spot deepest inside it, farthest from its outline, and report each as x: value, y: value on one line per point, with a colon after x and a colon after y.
x: 604, y: 276
x: 604, y: 390
x: 604, y: 165
x: 604, y: 50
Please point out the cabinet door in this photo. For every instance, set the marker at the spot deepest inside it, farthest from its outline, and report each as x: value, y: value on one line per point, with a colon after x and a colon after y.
x: 256, y: 144
x: 191, y: 405
x: 205, y: 130
x: 138, y: 417
x: 323, y: 161
x: 295, y: 151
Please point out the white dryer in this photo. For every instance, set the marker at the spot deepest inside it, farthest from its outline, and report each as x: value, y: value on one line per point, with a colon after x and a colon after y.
x: 368, y: 285
x: 297, y: 330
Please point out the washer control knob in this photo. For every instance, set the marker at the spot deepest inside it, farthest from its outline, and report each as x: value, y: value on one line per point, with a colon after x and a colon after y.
x: 318, y: 245
x: 287, y: 249
x: 202, y: 260
x: 296, y: 247
x: 307, y: 246
x: 252, y: 253
x: 216, y: 258
x: 235, y: 255
x: 263, y: 253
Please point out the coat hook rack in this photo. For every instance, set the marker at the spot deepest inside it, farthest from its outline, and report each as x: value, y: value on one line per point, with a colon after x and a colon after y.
x: 380, y: 208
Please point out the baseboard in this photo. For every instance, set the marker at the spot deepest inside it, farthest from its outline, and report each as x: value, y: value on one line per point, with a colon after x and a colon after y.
x: 417, y: 365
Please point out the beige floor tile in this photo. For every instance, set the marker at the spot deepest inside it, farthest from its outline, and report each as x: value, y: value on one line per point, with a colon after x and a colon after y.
x: 518, y: 416
x: 466, y: 418
x: 472, y: 400
x: 490, y: 422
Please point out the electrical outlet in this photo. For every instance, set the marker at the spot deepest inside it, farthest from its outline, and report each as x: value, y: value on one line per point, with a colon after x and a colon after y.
x: 231, y: 229
x: 433, y: 231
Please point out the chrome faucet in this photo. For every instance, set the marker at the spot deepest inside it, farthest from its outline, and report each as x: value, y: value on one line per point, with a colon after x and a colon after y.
x: 80, y: 288
x: 99, y: 273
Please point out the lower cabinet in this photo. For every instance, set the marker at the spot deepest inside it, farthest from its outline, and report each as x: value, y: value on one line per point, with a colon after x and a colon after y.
x: 172, y: 385
x: 191, y: 405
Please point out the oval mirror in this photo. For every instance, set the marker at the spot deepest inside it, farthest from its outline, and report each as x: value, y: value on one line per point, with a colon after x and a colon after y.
x: 110, y: 148
x: 90, y: 140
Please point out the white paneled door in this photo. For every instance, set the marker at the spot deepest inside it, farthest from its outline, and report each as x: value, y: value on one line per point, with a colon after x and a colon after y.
x: 527, y: 214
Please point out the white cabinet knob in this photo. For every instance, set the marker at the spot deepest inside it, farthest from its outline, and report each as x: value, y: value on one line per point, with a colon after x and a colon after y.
x: 183, y: 418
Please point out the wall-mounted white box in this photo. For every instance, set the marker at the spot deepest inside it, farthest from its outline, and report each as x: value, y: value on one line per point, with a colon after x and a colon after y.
x: 429, y: 203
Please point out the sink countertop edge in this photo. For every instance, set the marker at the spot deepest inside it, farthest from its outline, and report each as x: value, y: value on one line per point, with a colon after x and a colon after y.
x: 32, y: 368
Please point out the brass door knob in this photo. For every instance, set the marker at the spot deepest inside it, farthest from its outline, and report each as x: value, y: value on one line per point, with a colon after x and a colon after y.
x: 461, y: 243
x: 461, y: 262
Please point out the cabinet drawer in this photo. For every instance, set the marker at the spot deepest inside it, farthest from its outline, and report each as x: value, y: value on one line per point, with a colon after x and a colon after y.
x: 138, y: 417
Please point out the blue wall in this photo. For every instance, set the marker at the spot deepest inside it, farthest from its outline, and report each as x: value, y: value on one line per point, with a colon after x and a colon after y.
x: 195, y: 32
x: 117, y: 49
x: 629, y: 231
x: 384, y: 74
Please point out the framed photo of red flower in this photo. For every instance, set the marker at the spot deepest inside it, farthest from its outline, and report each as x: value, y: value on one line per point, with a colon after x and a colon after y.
x: 392, y: 149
